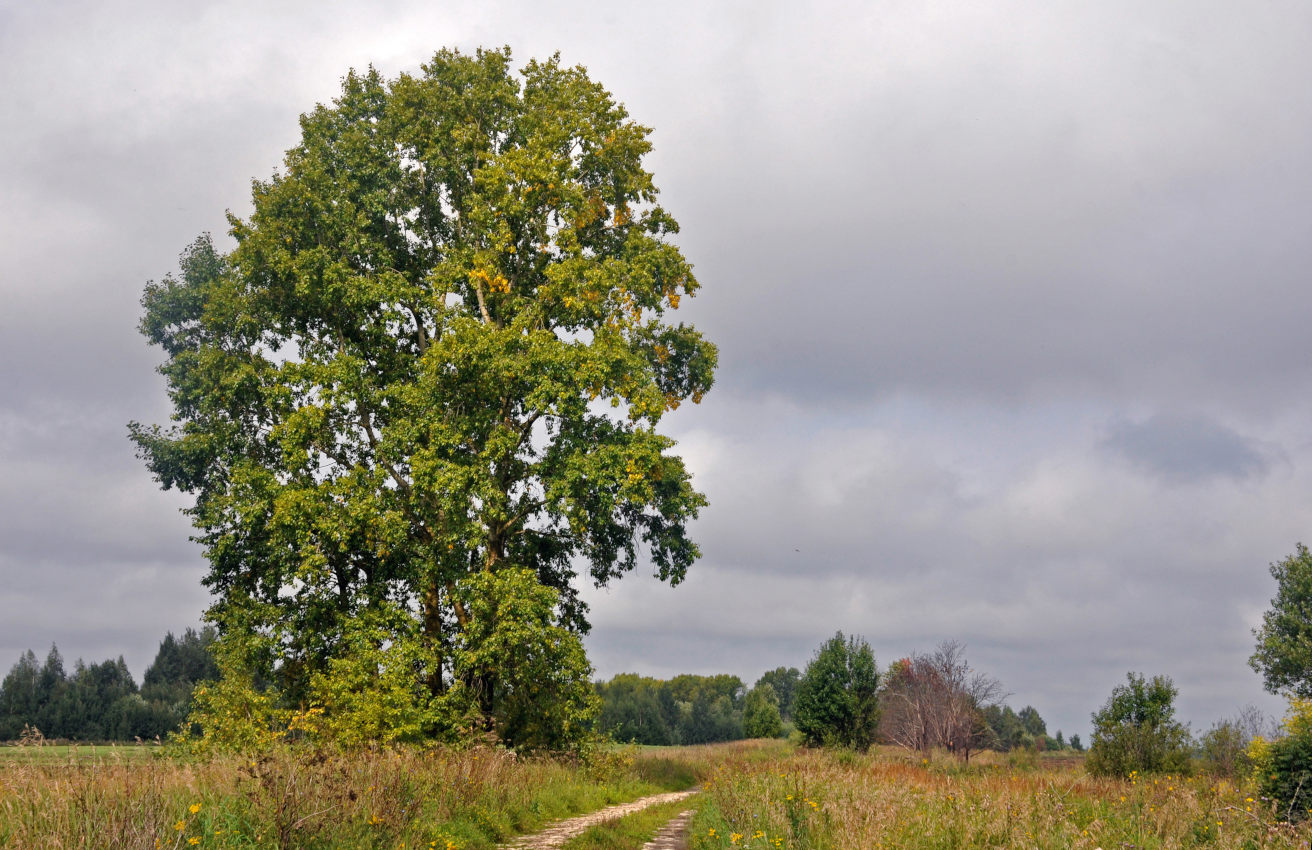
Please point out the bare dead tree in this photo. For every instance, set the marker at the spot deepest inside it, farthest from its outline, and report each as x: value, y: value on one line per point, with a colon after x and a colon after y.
x: 937, y: 700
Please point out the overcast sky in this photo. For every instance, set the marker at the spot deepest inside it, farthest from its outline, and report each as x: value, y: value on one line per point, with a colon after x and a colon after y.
x: 1011, y: 301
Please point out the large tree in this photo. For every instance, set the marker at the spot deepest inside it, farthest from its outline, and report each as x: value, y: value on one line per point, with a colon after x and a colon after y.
x: 440, y: 348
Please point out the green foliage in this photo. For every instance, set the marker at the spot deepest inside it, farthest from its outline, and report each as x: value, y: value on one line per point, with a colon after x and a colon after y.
x: 1031, y: 721
x: 1284, y: 641
x: 687, y: 709
x: 97, y: 702
x: 233, y: 713
x: 19, y: 699
x: 1283, y: 767
x: 1223, y: 750
x: 179, y: 665
x: 520, y: 674
x: 837, y: 697
x: 526, y: 673
x: 1009, y: 731
x: 369, y: 693
x: 784, y: 681
x: 638, y: 709
x: 761, y: 713
x: 440, y: 347
x: 1136, y: 731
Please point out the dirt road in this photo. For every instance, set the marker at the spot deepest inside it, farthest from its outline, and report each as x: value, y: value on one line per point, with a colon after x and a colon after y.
x: 562, y: 831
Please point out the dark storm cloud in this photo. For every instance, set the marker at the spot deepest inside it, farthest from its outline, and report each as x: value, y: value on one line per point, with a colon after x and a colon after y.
x: 1187, y: 449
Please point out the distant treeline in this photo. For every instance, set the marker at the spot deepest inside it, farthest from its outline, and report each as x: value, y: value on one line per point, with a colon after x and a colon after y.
x: 691, y: 709
x: 101, y: 702
x: 687, y: 709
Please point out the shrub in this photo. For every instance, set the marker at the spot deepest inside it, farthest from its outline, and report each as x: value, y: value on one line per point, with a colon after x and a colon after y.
x: 1223, y: 750
x: 1136, y: 731
x: 1283, y: 767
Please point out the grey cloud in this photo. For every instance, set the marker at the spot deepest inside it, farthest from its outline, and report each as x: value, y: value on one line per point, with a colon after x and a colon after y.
x: 1188, y: 449
x: 942, y: 247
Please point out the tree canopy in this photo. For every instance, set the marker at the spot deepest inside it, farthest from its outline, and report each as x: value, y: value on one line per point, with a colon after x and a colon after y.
x: 1284, y: 641
x: 1136, y: 730
x: 837, y: 699
x: 439, y: 348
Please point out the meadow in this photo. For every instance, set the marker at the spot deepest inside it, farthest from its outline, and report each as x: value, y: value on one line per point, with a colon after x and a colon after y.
x: 756, y: 794
x: 890, y: 798
x: 386, y: 798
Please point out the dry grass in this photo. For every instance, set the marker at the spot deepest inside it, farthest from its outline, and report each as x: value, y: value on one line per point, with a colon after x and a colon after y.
x: 888, y: 800
x: 435, y: 798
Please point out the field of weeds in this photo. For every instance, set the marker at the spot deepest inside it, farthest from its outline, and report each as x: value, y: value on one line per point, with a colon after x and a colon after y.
x: 889, y: 799
x: 759, y: 795
x: 449, y: 799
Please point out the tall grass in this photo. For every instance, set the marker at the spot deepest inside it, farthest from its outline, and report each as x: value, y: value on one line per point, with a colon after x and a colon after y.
x: 816, y: 800
x: 372, y: 799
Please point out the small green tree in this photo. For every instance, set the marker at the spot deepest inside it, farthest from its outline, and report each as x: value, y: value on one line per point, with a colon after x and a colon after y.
x: 761, y: 713
x: 1284, y: 641
x: 1136, y: 730
x: 837, y: 698
x: 19, y: 700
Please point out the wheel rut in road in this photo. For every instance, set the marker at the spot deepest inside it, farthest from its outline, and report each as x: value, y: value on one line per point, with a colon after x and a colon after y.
x: 561, y: 831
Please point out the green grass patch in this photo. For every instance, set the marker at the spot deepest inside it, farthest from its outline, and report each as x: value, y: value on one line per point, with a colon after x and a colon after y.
x: 631, y: 831
x: 670, y: 774
x: 76, y: 753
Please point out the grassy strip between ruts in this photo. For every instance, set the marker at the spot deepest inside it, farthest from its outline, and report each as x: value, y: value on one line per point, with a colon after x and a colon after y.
x: 631, y: 831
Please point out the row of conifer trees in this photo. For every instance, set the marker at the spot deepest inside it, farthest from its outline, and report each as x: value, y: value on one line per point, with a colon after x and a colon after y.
x: 101, y: 701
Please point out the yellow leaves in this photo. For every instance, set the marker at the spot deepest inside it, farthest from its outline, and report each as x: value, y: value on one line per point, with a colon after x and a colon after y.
x: 495, y: 281
x: 593, y: 210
